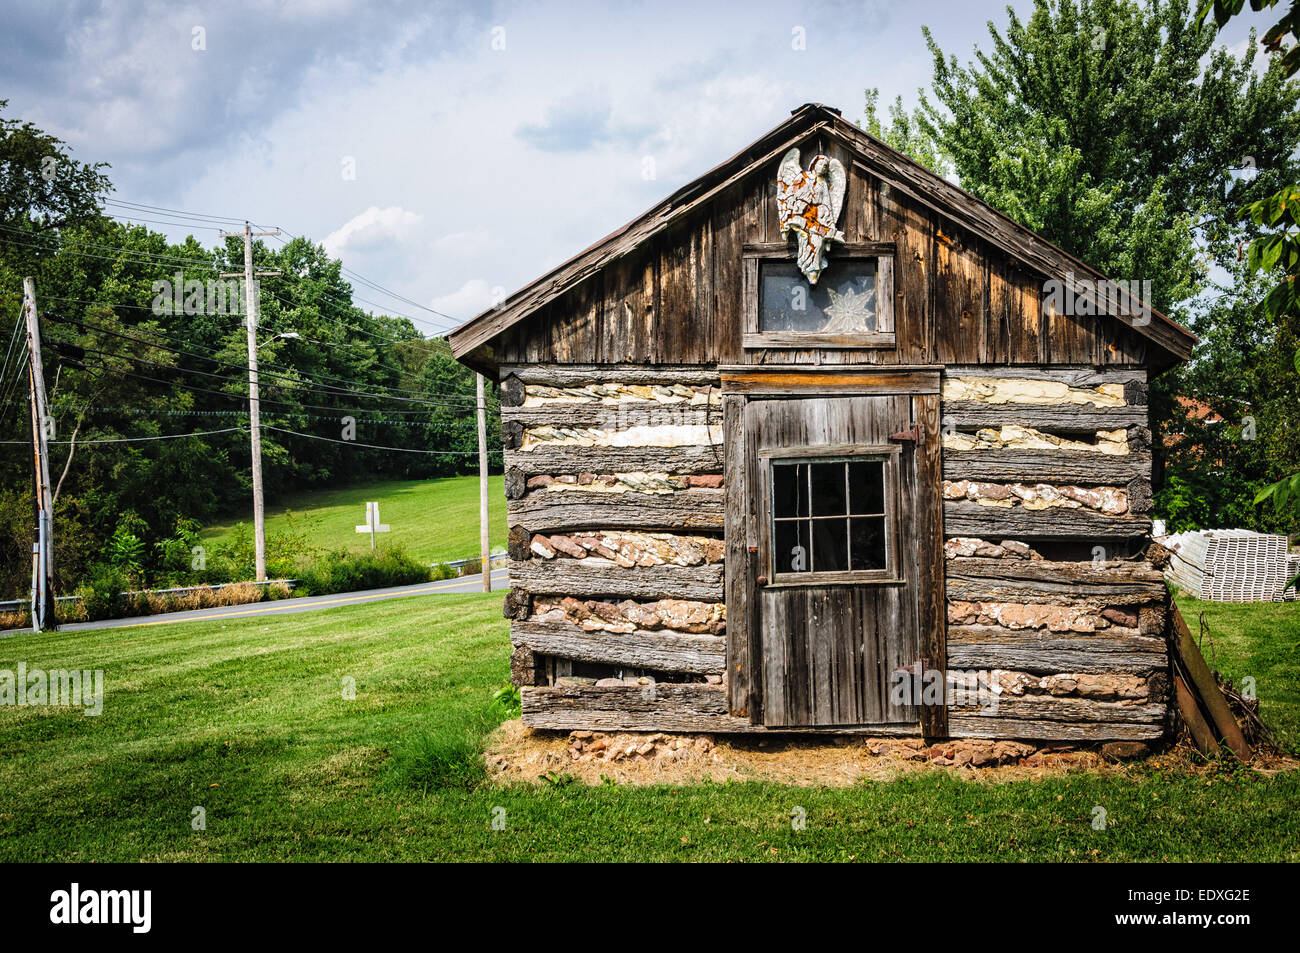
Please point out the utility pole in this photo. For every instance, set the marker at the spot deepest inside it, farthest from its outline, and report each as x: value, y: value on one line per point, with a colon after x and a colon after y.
x: 484, y: 532
x: 254, y: 410
x: 43, y: 550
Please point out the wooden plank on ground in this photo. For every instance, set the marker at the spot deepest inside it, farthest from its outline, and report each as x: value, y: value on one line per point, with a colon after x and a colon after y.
x: 1199, y: 679
x: 1197, y: 727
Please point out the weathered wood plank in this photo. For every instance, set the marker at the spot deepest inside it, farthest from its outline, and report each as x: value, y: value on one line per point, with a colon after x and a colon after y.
x: 641, y: 649
x: 967, y: 518
x: 595, y: 576
x: 1054, y: 653
x: 1054, y: 418
x: 979, y: 726
x: 1052, y: 708
x: 972, y: 579
x: 558, y: 459
x: 1199, y: 678
x: 1080, y: 376
x: 1202, y: 735
x: 738, y: 562
x: 931, y: 565
x: 694, y: 195
x: 661, y: 707
x: 1012, y: 465
x: 575, y: 375
x: 618, y: 416
x: 543, y: 511
x: 779, y: 381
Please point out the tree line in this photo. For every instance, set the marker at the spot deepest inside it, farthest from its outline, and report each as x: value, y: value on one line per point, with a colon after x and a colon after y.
x: 143, y: 341
x: 1124, y: 133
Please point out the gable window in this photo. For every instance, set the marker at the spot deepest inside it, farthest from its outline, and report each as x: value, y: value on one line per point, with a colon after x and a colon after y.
x: 833, y: 517
x: 842, y: 302
x: 851, y: 306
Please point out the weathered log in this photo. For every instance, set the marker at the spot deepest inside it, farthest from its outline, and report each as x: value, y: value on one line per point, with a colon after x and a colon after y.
x: 516, y: 482
x: 972, y: 579
x: 1050, y: 418
x: 658, y: 651
x: 575, y: 375
x: 523, y: 666
x: 1054, y: 708
x: 1011, y: 465
x: 1139, y: 495
x: 612, y: 416
x: 557, y: 459
x: 1054, y: 653
x: 1071, y: 376
x: 967, y: 518
x: 512, y: 434
x: 1135, y: 392
x: 594, y: 576
x: 518, y: 604
x: 512, y: 391
x: 518, y: 542
x: 979, y: 726
x: 547, y: 511
x: 659, y: 707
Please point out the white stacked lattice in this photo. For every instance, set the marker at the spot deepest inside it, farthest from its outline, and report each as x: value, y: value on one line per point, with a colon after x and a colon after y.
x: 1228, y: 565
x: 1292, y: 570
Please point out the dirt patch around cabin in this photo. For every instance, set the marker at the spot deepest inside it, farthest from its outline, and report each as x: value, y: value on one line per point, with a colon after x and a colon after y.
x: 518, y: 754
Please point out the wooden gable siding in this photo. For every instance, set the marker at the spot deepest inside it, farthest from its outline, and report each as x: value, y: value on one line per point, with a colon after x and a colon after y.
x: 677, y: 298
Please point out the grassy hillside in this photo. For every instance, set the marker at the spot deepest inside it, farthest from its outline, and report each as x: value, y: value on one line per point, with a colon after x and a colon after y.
x: 434, y: 520
x: 246, y: 719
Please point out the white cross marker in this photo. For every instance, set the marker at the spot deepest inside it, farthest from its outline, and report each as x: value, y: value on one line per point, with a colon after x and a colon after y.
x: 372, y: 524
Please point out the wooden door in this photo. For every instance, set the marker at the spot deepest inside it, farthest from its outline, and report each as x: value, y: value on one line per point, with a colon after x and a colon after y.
x: 840, y: 549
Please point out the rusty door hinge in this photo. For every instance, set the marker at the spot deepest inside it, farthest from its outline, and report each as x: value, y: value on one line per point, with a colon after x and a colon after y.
x: 914, y: 434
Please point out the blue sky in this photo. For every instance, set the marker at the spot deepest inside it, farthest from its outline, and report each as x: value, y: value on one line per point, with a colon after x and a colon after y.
x: 489, y: 142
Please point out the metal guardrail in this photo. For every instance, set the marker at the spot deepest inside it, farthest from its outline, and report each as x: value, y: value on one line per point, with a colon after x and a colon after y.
x: 22, y: 605
x: 461, y: 563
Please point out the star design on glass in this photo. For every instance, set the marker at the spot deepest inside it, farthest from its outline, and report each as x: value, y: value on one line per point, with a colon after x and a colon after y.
x: 851, y: 311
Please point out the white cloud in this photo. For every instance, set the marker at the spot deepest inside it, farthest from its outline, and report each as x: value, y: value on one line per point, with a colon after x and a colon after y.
x: 473, y: 297
x: 372, y: 229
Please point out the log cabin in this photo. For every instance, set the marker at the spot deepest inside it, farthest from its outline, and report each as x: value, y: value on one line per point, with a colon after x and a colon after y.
x: 823, y: 444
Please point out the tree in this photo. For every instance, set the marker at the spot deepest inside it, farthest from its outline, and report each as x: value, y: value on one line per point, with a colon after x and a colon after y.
x: 1121, y: 133
x: 1276, y: 254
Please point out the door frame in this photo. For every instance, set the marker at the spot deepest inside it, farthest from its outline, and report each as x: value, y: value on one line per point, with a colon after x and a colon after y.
x: 746, y: 488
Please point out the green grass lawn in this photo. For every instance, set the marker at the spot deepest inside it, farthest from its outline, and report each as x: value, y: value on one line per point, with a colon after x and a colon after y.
x: 246, y: 719
x: 1259, y: 640
x: 433, y: 520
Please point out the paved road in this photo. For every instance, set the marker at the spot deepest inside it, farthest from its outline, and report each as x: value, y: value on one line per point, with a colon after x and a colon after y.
x: 304, y: 604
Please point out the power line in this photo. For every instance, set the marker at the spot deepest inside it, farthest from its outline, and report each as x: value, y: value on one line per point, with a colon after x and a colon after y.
x: 295, y: 382
x: 369, y: 446
x: 170, y: 436
x: 242, y: 397
x: 328, y: 392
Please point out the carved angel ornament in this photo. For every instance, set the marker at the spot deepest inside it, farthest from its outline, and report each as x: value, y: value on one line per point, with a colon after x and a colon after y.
x: 808, y: 203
